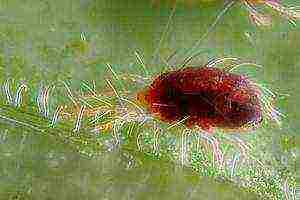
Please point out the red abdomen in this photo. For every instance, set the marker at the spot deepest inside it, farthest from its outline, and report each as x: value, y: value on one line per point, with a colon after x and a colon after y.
x: 204, y: 96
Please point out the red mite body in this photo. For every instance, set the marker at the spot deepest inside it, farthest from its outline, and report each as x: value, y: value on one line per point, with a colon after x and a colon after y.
x: 204, y: 96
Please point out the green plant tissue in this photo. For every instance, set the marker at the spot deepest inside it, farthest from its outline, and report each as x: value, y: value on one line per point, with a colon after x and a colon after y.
x: 87, y: 54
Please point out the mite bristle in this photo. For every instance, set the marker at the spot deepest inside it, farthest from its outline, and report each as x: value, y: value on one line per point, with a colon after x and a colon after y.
x: 7, y: 92
x: 98, y: 117
x: 218, y: 18
x: 56, y: 115
x: 210, y: 141
x: 102, y: 101
x: 91, y: 90
x: 178, y: 123
x: 115, y: 75
x: 43, y: 99
x: 234, y: 164
x: 243, y: 148
x: 256, y: 17
x: 138, y: 141
x: 18, y: 97
x: 115, y: 132
x: 267, y: 101
x: 79, y: 119
x: 267, y: 91
x: 85, y: 102
x: 286, y: 190
x: 233, y: 67
x: 39, y: 99
x: 275, y: 115
x: 156, y: 141
x: 46, y: 100
x: 260, y: 19
x: 164, y: 34
x: 115, y: 91
x: 290, y: 13
x: 183, y: 156
x: 113, y: 88
x: 214, y: 62
x: 70, y: 95
x: 142, y: 63
x: 217, y: 153
x: 134, y: 78
x: 198, y: 145
x: 140, y: 110
x: 272, y: 112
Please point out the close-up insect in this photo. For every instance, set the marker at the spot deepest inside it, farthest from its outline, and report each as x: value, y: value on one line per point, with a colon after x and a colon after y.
x: 138, y: 100
x: 207, y: 97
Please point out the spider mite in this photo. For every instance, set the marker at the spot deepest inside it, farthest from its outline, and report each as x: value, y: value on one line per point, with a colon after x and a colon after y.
x: 260, y: 19
x: 206, y: 98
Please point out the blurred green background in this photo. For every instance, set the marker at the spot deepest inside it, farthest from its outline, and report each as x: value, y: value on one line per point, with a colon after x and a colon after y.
x: 46, y: 41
